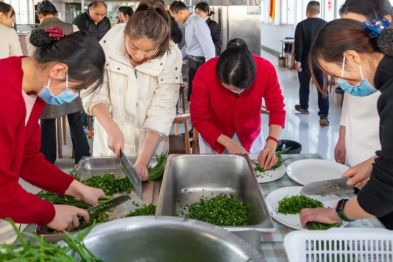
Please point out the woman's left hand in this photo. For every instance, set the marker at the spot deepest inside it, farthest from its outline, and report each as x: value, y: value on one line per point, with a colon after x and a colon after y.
x: 267, y: 158
x: 322, y: 215
x: 84, y: 193
x: 142, y: 171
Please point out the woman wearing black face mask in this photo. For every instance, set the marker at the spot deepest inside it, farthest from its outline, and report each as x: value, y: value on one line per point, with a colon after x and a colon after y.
x: 360, y: 55
x: 61, y: 66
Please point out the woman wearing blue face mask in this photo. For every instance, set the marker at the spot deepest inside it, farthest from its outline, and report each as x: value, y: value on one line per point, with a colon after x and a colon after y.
x: 226, y: 104
x: 361, y: 55
x: 61, y: 66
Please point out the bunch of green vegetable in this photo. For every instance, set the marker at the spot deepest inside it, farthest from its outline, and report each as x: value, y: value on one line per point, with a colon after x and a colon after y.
x: 156, y: 172
x: 320, y: 226
x: 46, y: 252
x: 109, y: 184
x: 149, y: 210
x: 280, y: 162
x: 293, y: 205
x: 222, y: 210
x: 67, y: 200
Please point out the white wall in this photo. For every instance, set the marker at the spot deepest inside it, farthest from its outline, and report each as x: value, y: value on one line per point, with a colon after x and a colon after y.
x: 271, y: 35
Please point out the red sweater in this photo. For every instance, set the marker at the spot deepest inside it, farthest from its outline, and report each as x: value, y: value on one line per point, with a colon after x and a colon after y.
x: 216, y: 110
x: 20, y: 155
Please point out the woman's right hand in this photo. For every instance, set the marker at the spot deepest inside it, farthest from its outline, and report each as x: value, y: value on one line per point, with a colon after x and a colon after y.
x: 339, y: 152
x: 115, y: 139
x: 66, y: 217
x: 235, y: 148
x: 360, y: 173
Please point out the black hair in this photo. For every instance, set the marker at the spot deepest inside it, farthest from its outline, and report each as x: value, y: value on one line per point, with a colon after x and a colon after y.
x: 314, y: 7
x: 203, y: 6
x: 372, y: 9
x: 177, y: 6
x: 82, y: 54
x: 96, y: 3
x: 237, y: 42
x: 6, y: 8
x: 126, y: 10
x: 236, y: 65
x: 46, y: 8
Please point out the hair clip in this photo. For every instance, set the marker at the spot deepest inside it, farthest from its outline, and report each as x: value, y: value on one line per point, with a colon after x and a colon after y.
x: 55, y: 32
x: 376, y: 27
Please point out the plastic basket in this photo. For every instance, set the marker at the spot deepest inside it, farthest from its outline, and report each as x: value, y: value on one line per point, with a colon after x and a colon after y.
x: 340, y: 245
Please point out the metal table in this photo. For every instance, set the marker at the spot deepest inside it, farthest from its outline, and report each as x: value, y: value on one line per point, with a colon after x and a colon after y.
x: 272, y: 245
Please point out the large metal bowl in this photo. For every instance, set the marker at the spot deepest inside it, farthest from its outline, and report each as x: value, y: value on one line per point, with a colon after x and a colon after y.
x: 169, y: 239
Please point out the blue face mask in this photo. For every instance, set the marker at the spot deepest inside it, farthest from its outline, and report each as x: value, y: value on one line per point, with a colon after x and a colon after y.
x: 233, y: 91
x: 363, y: 89
x: 64, y: 97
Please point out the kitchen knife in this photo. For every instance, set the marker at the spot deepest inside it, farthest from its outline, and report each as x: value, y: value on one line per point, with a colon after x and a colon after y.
x: 130, y: 171
x: 328, y: 187
x: 108, y: 205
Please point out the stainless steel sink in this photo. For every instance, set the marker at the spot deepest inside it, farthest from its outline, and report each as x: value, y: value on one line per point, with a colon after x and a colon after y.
x: 189, y: 177
x: 167, y: 239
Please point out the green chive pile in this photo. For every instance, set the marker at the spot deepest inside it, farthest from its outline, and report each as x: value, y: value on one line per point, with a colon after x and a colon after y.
x: 109, y: 184
x: 293, y: 205
x: 149, y: 210
x: 222, y: 210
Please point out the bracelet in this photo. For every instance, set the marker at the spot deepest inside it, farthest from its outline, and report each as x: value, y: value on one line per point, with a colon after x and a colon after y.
x: 272, y: 138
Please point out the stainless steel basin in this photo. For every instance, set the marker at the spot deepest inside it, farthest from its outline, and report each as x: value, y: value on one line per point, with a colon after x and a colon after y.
x: 189, y: 177
x: 163, y: 239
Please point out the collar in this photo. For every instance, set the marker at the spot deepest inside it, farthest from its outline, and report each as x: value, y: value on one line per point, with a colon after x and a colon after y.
x: 207, y: 18
x: 188, y: 21
x: 384, y: 75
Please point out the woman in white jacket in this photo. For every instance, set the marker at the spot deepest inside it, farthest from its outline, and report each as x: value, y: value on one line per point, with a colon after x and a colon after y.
x: 136, y: 105
x: 9, y: 43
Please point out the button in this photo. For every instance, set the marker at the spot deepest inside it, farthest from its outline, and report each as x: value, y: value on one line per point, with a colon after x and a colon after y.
x: 162, y: 79
x: 104, y: 41
x: 176, y: 68
x: 161, y: 64
x: 177, y: 78
x: 118, y: 68
x: 107, y: 64
x: 136, y: 104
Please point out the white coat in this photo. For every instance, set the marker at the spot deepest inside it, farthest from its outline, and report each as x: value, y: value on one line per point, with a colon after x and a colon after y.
x: 140, y: 99
x: 9, y: 43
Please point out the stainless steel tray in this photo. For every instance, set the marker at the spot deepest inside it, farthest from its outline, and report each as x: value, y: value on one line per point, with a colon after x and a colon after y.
x: 189, y: 177
x: 99, y: 166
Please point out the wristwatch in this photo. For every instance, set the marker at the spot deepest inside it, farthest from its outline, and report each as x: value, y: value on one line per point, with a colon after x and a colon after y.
x: 340, y: 210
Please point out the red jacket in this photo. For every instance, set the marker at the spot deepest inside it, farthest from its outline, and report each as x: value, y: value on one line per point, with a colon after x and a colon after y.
x: 20, y: 155
x: 216, y: 110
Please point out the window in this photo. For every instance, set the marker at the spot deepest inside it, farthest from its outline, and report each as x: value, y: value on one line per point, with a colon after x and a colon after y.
x: 288, y: 12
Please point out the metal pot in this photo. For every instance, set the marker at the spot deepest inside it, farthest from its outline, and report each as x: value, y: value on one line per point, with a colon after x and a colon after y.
x: 167, y: 239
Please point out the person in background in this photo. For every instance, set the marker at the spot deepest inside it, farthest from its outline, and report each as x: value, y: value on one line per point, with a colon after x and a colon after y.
x: 176, y: 34
x: 136, y: 106
x: 360, y: 113
x: 94, y: 20
x: 226, y: 104
x: 202, y: 9
x: 199, y: 45
x: 124, y: 13
x: 305, y: 33
x: 9, y: 44
x: 361, y: 56
x: 61, y: 66
x: 47, y: 14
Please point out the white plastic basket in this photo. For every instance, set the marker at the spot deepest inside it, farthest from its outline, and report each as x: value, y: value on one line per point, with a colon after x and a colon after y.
x: 340, y: 245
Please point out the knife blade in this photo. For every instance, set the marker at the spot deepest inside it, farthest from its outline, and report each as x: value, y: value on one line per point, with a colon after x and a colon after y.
x: 328, y: 187
x: 130, y: 171
x: 108, y: 205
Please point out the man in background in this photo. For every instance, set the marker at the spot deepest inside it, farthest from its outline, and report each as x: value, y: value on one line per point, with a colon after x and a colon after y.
x: 124, y: 13
x: 199, y: 45
x: 176, y: 34
x: 305, y: 33
x: 94, y: 20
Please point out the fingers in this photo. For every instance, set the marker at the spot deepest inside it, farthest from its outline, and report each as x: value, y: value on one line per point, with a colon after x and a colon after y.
x: 349, y: 173
x: 83, y: 213
x: 269, y: 159
x: 305, y: 216
x: 262, y: 158
x: 273, y: 161
x: 75, y: 222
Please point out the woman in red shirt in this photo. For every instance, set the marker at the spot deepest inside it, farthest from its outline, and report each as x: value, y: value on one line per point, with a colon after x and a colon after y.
x: 226, y: 104
x: 60, y: 67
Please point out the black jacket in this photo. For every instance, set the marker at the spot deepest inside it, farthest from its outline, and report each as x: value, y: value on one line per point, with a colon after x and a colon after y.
x: 215, y: 31
x: 85, y: 23
x: 176, y: 34
x: 376, y: 197
x: 305, y: 33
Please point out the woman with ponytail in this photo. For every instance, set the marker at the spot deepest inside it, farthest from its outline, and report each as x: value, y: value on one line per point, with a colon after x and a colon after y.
x: 226, y: 104
x: 136, y: 105
x: 61, y: 66
x: 360, y: 55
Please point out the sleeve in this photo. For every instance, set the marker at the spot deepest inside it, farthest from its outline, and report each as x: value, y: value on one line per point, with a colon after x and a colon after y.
x: 274, y: 99
x: 80, y: 23
x: 75, y: 28
x: 299, y: 42
x: 343, y: 121
x: 91, y: 98
x: 183, y: 50
x: 14, y: 45
x: 15, y: 202
x: 176, y: 33
x: 30, y: 48
x: 216, y: 34
x: 376, y: 197
x: 205, y: 40
x: 162, y: 109
x: 199, y: 109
